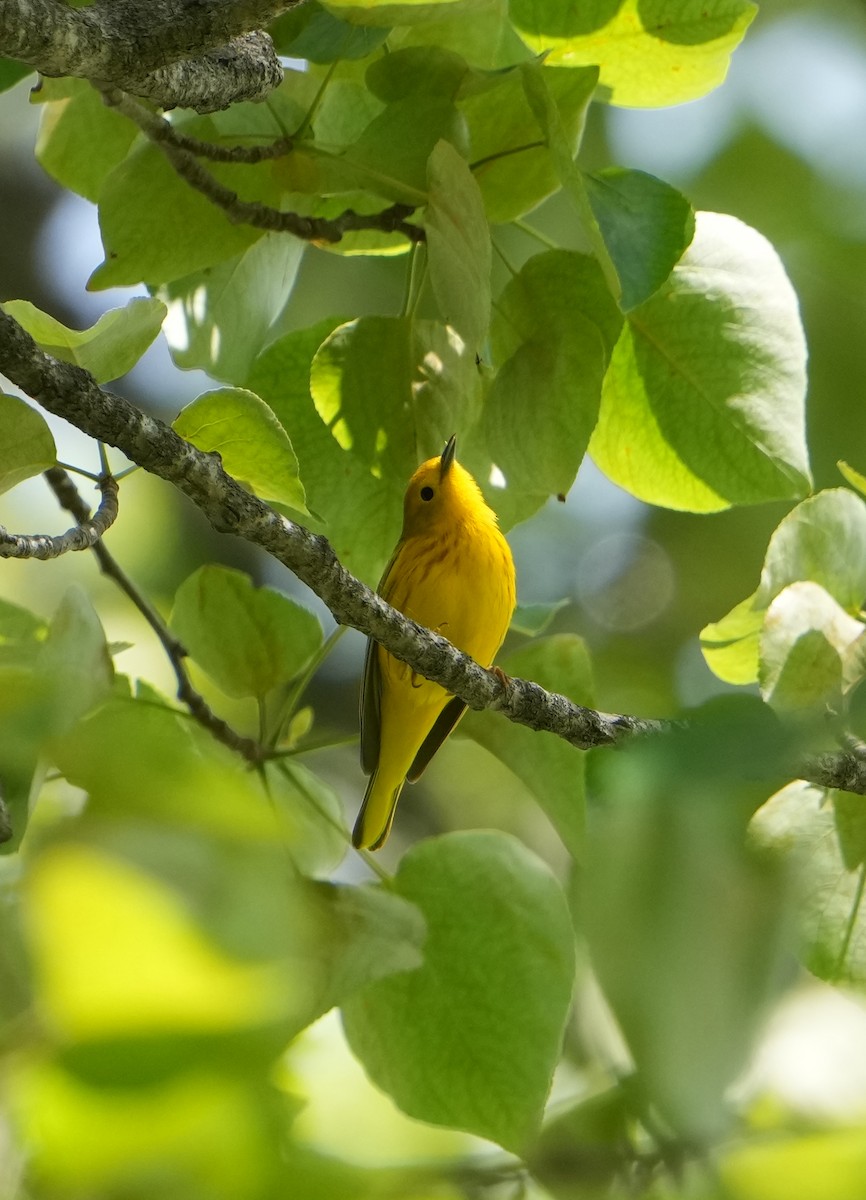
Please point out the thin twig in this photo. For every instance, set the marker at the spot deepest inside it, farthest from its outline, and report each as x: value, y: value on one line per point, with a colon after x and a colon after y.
x: 71, y: 499
x: 260, y: 216
x: 162, y: 131
x: 84, y: 536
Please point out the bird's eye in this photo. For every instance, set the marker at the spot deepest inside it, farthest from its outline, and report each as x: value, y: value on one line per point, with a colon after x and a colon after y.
x: 427, y: 493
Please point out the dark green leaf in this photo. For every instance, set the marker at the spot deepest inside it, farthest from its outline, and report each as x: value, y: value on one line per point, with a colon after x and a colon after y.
x: 309, y: 31
x: 646, y: 225
x: 11, y: 72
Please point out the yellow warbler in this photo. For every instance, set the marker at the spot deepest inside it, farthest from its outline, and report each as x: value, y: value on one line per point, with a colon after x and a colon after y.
x: 452, y: 571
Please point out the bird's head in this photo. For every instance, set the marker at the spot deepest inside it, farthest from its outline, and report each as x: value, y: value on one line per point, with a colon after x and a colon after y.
x: 441, y: 493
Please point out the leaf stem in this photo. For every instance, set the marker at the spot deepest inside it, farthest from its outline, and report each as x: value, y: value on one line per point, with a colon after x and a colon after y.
x: 532, y: 232
x: 317, y: 99
x: 849, y: 925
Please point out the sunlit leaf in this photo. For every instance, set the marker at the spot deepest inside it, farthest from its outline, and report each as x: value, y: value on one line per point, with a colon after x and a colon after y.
x: 703, y: 403
x: 822, y: 540
x: 107, y: 349
x: 650, y: 52
x: 251, y: 442
x: 219, y: 318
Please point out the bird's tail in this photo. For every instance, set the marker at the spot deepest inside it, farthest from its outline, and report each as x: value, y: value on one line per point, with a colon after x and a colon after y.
x: 377, y: 813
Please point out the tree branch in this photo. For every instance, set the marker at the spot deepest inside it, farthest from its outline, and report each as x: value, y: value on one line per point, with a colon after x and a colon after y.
x: 71, y: 499
x: 205, y: 54
x: 70, y: 392
x: 181, y: 151
x: 85, y: 535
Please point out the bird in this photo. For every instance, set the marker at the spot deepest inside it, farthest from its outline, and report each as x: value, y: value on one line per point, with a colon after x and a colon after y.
x: 452, y: 572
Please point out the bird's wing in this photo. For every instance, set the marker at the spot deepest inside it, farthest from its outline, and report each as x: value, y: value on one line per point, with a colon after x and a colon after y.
x: 445, y: 722
x: 371, y: 690
x: 371, y: 687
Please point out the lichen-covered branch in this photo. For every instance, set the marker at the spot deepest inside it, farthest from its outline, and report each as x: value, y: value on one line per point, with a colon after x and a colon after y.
x: 181, y: 153
x: 206, y: 54
x: 70, y: 392
x: 83, y: 536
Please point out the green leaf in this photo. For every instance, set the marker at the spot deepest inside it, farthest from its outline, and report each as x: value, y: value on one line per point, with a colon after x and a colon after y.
x: 368, y: 934
x: 480, y: 33
x: 81, y: 139
x: 651, y: 52
x: 251, y: 442
x: 390, y: 157
x: 533, y: 619
x: 498, y: 927
x: 415, y: 71
x: 26, y: 444
x: 49, y: 678
x: 156, y: 228
x: 553, y: 771
x: 545, y: 296
x: 75, y: 660
x: 398, y: 12
x: 21, y: 633
x: 248, y: 639
x: 11, y: 72
x: 511, y: 162
x: 219, y: 318
x: 107, y: 349
x: 360, y: 511
x: 392, y: 391
x: 309, y: 31
x: 556, y: 322
x: 703, y: 402
x: 458, y: 244
x: 143, y: 763
x: 542, y: 408
x: 731, y: 646
x: 802, y: 826
x: 804, y: 643
x: 822, y: 540
x: 646, y: 226
x: 687, y: 973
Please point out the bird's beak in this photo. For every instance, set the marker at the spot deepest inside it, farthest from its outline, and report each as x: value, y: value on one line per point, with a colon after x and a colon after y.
x: 448, y: 455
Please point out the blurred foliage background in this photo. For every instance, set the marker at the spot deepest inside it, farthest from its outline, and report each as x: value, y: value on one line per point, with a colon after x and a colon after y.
x: 779, y: 145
